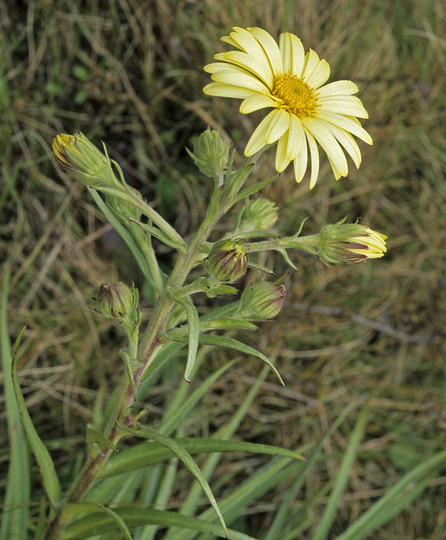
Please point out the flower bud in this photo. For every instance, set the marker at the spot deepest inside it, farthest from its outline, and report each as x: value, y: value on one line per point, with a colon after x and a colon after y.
x: 349, y: 243
x: 210, y: 153
x: 257, y: 215
x: 115, y: 300
x: 227, y: 261
x: 262, y: 300
x: 77, y: 155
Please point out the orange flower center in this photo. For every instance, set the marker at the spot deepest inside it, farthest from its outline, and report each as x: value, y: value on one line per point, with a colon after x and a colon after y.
x: 296, y: 95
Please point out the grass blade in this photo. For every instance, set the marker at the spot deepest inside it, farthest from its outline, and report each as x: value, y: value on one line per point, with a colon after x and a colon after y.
x: 99, y: 523
x: 186, y: 458
x: 342, y: 478
x: 15, y: 515
x: 43, y: 458
x: 396, y: 499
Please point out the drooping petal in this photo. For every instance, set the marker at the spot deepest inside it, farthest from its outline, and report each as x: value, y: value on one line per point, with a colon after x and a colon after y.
x: 347, y: 141
x: 348, y: 123
x: 280, y: 121
x: 301, y: 164
x: 296, y: 138
x: 314, y: 155
x: 257, y: 139
x: 282, y: 160
x: 331, y: 146
x: 347, y: 105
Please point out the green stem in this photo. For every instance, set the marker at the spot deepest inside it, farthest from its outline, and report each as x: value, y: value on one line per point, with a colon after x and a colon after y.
x: 145, y: 243
x: 150, y: 342
x: 304, y: 243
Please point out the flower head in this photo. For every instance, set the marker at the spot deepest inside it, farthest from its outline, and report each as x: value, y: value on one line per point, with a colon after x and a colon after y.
x: 77, y: 155
x: 257, y: 215
x: 115, y: 300
x: 211, y: 153
x: 350, y: 243
x: 227, y: 261
x: 262, y: 300
x: 305, y: 111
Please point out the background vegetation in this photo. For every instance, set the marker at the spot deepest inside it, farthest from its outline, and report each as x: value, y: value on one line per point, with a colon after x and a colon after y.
x: 129, y: 72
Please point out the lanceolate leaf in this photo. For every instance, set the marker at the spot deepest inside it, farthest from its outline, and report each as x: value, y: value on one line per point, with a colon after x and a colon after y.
x: 99, y: 523
x: 126, y: 236
x: 182, y: 454
x: 230, y: 343
x: 111, y: 517
x: 147, y: 211
x: 253, y: 189
x: 158, y: 233
x: 145, y: 454
x: 194, y: 331
x: 43, y: 458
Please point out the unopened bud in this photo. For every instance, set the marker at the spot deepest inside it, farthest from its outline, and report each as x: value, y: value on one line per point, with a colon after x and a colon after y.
x: 210, y: 153
x: 77, y: 155
x: 349, y: 243
x: 227, y: 261
x: 115, y: 300
x: 262, y: 300
x: 257, y: 215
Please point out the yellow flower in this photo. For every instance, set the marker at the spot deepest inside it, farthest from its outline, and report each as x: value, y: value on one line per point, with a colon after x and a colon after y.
x: 306, y: 111
x: 350, y: 243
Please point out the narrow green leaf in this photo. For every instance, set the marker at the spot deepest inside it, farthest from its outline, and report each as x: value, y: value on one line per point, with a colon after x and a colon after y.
x: 341, y: 480
x: 93, y: 509
x: 230, y: 343
x: 194, y: 332
x: 192, y: 501
x: 126, y: 236
x: 227, y: 324
x: 235, y: 181
x: 143, y: 455
x: 158, y: 233
x: 147, y: 211
x: 43, y: 458
x: 221, y: 289
x: 408, y: 488
x: 182, y: 454
x: 99, y: 523
x: 254, y: 488
x: 15, y: 515
x: 214, y: 204
x: 256, y: 266
x: 253, y: 189
x: 183, y: 402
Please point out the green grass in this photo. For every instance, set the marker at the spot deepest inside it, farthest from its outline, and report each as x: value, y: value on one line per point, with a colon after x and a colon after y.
x: 130, y: 73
